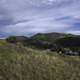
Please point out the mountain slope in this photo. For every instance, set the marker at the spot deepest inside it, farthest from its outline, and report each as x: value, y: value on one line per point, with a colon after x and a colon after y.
x: 51, y: 37
x: 69, y: 42
x: 47, y: 40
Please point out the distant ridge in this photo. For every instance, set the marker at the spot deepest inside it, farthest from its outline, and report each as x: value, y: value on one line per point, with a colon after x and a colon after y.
x: 51, y: 36
x: 48, y: 40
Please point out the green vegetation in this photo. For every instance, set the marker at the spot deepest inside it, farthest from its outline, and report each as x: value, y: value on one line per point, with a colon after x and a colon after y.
x: 22, y: 63
x: 60, y: 40
x: 17, y: 39
x: 52, y: 41
x: 50, y: 37
x: 70, y: 42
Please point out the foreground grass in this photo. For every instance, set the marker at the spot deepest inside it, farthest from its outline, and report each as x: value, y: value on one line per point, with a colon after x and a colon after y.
x: 19, y: 63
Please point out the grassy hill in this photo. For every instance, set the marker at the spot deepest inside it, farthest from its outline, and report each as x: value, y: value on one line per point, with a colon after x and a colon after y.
x: 51, y: 37
x: 60, y: 40
x: 22, y: 63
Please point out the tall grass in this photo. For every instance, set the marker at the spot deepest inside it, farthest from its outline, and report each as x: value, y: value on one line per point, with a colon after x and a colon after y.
x: 20, y: 63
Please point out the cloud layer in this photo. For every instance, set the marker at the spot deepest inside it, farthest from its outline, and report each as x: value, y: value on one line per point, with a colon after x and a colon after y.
x: 27, y: 17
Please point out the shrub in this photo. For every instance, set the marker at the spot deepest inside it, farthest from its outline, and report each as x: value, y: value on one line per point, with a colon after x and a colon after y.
x: 11, y: 39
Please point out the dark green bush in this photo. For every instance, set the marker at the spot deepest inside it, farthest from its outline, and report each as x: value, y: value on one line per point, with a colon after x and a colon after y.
x: 11, y: 39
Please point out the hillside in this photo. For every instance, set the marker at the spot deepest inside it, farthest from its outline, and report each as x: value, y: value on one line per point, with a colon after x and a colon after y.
x: 69, y: 41
x: 51, y: 37
x: 53, y: 41
x: 21, y: 63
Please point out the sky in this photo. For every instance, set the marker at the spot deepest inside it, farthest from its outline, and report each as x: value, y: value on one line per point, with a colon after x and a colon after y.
x: 28, y: 17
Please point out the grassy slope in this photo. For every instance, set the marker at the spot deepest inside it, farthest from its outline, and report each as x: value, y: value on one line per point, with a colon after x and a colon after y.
x: 51, y: 37
x: 19, y: 63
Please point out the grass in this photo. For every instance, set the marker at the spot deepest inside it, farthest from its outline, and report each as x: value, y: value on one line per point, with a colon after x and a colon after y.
x: 20, y: 63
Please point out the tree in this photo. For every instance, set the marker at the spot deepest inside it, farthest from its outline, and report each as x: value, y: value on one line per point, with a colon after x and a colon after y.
x: 11, y: 39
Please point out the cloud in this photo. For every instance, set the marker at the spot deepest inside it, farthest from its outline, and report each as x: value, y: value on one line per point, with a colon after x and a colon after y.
x: 75, y: 32
x: 27, y: 17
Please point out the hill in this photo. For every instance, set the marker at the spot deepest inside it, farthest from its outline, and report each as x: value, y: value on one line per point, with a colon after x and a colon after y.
x: 53, y: 41
x: 51, y: 37
x: 69, y: 42
x: 21, y: 63
x: 60, y: 40
x: 15, y: 39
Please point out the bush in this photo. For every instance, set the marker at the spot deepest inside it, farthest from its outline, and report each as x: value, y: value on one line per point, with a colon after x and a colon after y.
x: 11, y: 39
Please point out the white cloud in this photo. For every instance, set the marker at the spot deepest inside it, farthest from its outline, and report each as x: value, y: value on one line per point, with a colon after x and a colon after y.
x: 35, y: 26
x: 76, y: 32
